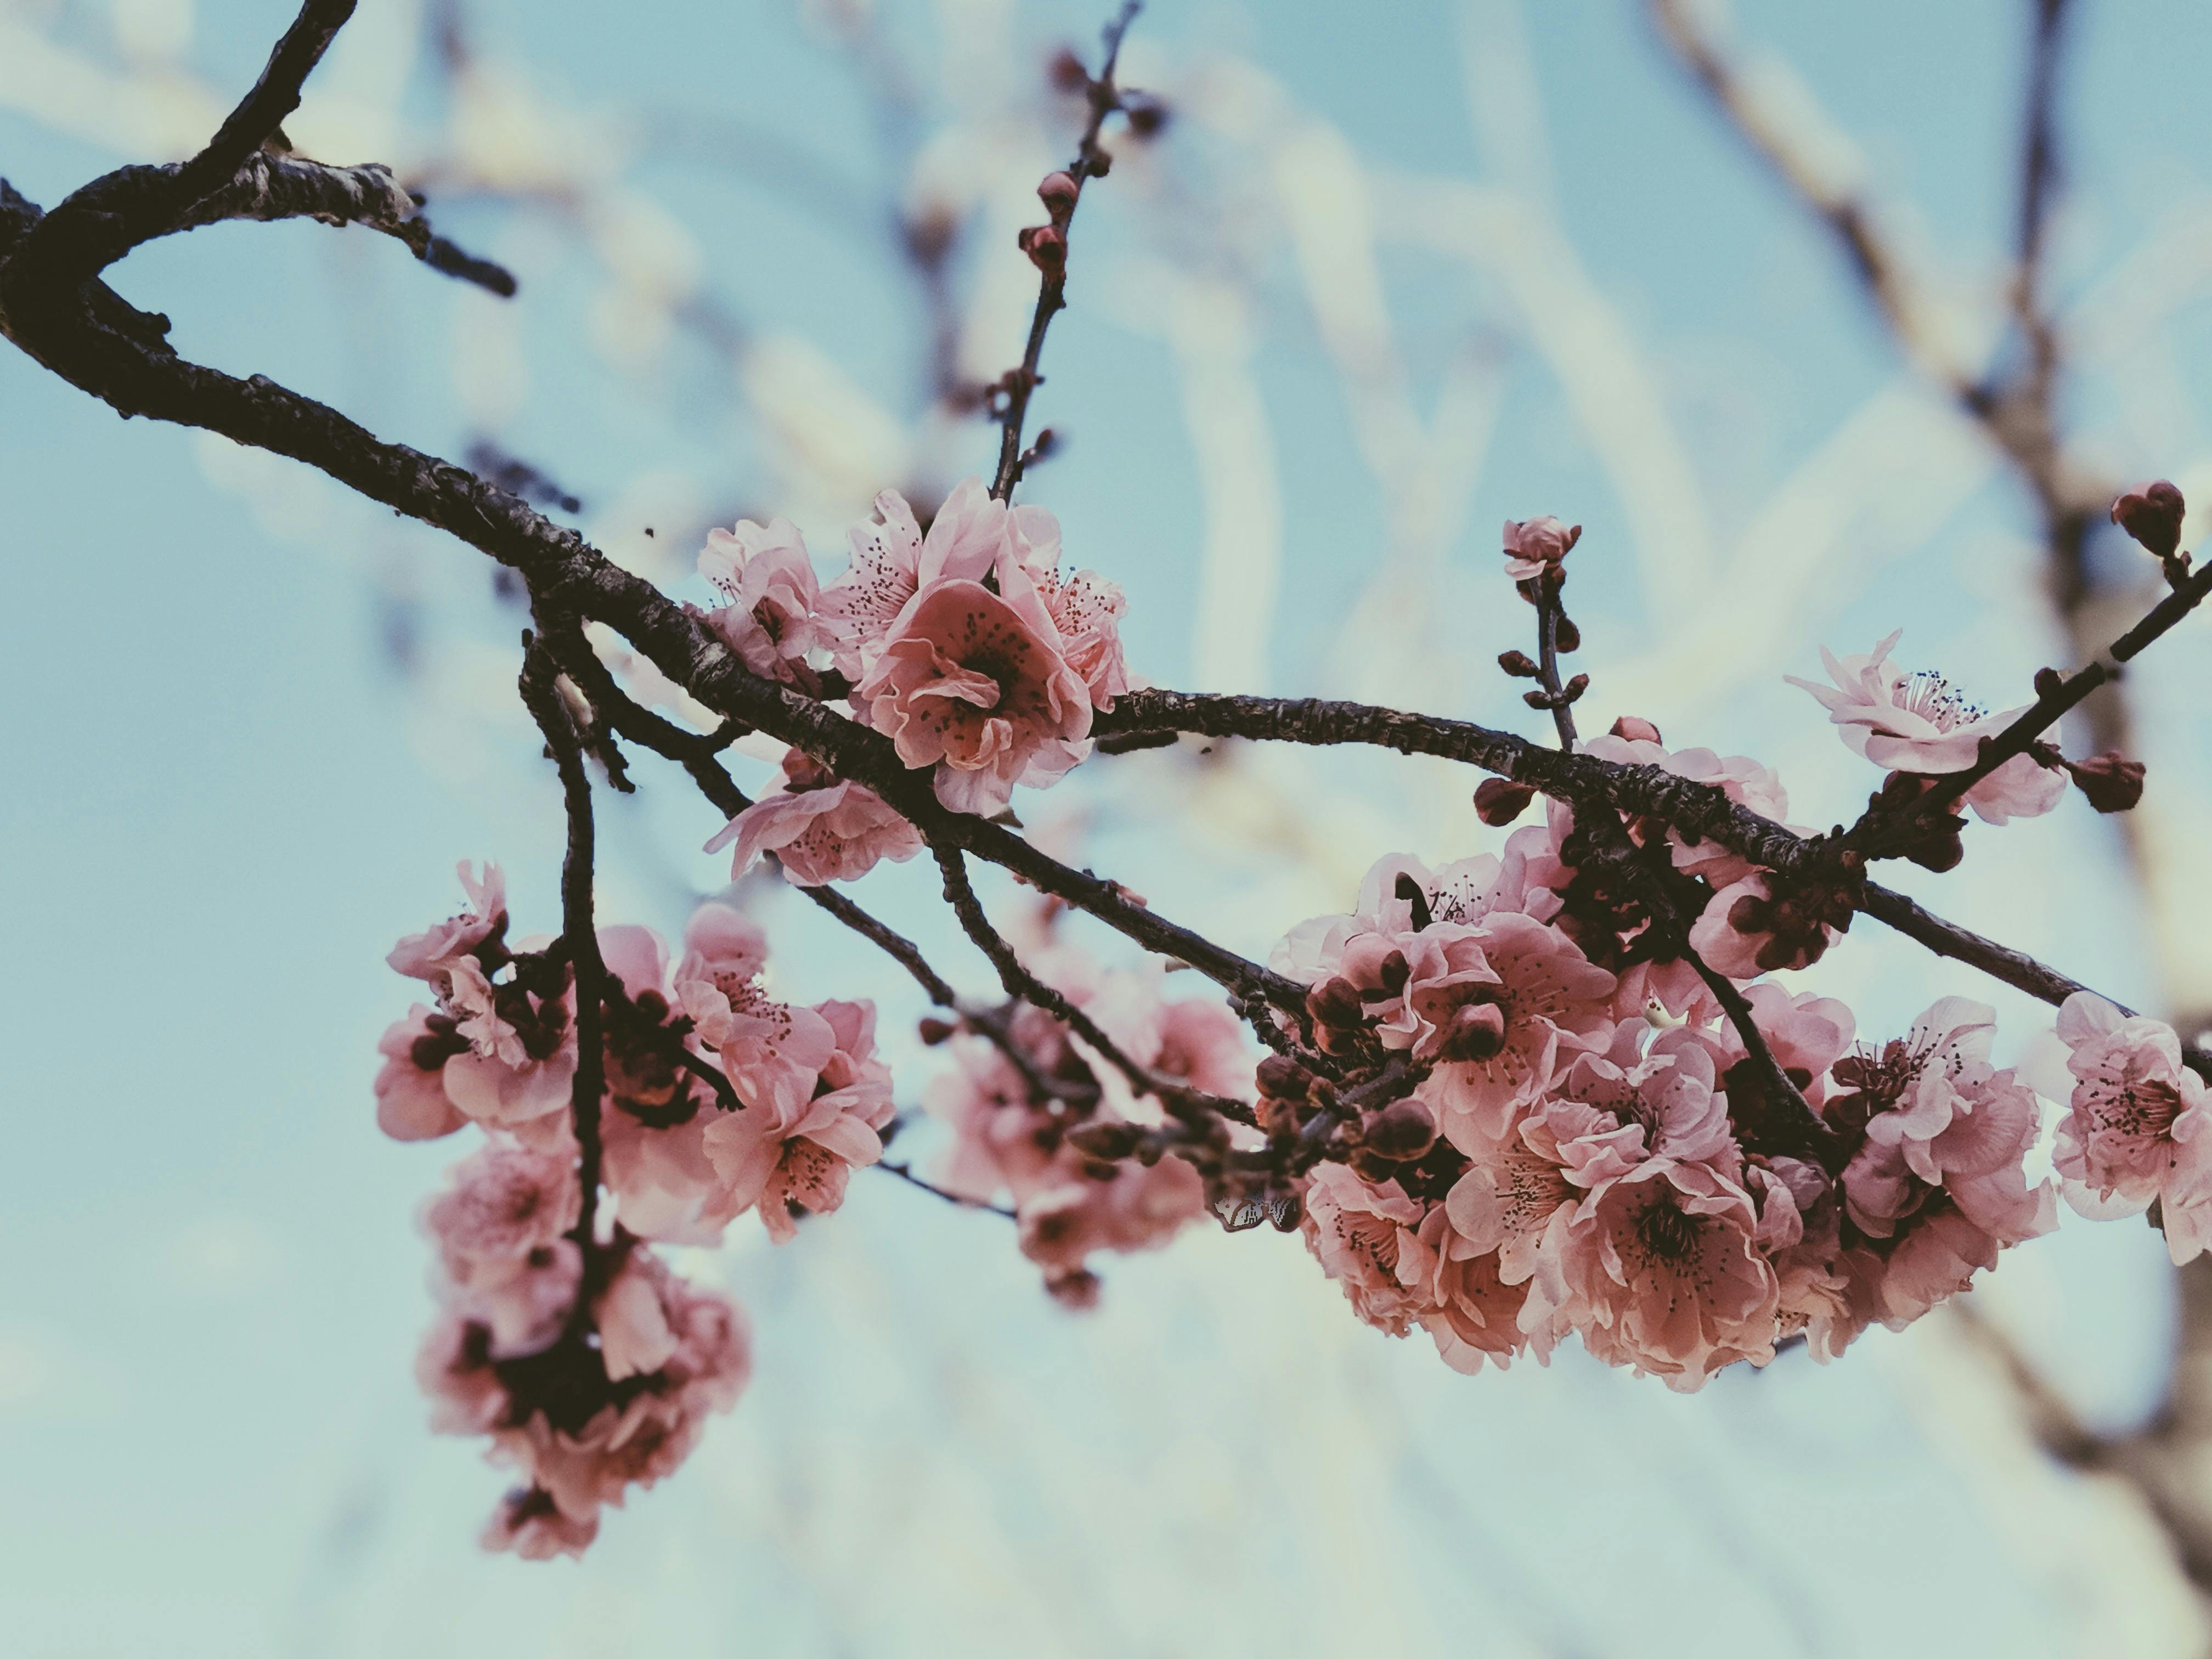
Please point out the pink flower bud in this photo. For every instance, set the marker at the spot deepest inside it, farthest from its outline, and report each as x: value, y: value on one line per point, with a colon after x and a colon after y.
x: 2112, y: 783
x: 2152, y: 515
x: 1499, y: 801
x: 1534, y: 543
x: 1058, y: 193
x: 1047, y: 247
x: 1636, y: 729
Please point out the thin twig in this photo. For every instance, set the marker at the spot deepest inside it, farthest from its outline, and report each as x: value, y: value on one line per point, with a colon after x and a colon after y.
x: 908, y: 1176
x: 1052, y: 283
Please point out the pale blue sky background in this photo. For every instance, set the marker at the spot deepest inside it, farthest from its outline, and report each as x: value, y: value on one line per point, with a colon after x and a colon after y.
x: 216, y: 814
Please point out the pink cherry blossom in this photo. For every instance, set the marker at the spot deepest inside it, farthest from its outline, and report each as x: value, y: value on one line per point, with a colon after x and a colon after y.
x: 501, y: 1204
x: 1085, y: 607
x: 973, y: 682
x: 1470, y: 1312
x: 1667, y: 1274
x: 532, y: 1525
x: 820, y: 828
x: 772, y: 1052
x: 1533, y: 544
x: 2136, y: 1126
x: 772, y: 1158
x: 892, y: 560
x: 1062, y: 1223
x: 430, y: 956
x: 1918, y: 723
x: 1001, y: 1142
x: 1493, y: 1002
x: 410, y: 1086
x: 769, y: 594
x: 1742, y: 780
x: 1355, y: 1229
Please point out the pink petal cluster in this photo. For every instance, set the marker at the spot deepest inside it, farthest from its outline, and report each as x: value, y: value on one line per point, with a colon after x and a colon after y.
x: 1742, y: 780
x: 1622, y: 1174
x: 969, y: 648
x: 770, y: 594
x: 582, y: 1424
x: 2138, y: 1126
x: 1534, y: 544
x: 818, y: 827
x: 1918, y: 723
x: 1009, y: 1141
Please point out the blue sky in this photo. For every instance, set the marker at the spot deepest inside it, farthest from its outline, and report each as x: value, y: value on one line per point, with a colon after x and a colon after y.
x: 222, y: 802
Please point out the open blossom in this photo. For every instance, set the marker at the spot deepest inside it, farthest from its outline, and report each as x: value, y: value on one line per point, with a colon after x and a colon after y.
x: 772, y: 1051
x: 1535, y: 544
x: 1667, y: 1274
x: 1491, y: 1003
x: 411, y: 1087
x: 769, y: 592
x: 1354, y: 1228
x: 973, y: 682
x: 1062, y: 1223
x: 431, y: 956
x: 2138, y: 1126
x: 820, y: 828
x: 771, y: 1159
x: 1469, y: 1310
x: 1918, y: 723
x: 501, y: 1204
x: 1085, y: 607
x: 892, y: 561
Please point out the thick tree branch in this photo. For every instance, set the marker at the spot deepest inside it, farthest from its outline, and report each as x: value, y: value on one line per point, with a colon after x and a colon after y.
x: 580, y: 941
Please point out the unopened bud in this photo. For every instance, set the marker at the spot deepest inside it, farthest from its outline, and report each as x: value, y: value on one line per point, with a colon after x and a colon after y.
x: 1519, y: 664
x: 1282, y: 1077
x: 1047, y: 247
x: 1499, y: 801
x: 1335, y: 1002
x: 1404, y: 1129
x: 933, y: 1030
x: 2049, y: 682
x: 1146, y: 118
x: 1567, y: 636
x: 1636, y: 729
x: 2112, y: 783
x: 1572, y: 691
x: 1104, y: 1140
x: 1058, y: 193
x: 1537, y: 699
x: 2152, y: 515
x: 1067, y: 72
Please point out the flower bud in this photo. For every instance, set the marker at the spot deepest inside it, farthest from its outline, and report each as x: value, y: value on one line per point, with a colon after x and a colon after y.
x: 1636, y: 729
x: 2152, y: 515
x: 1047, y: 247
x: 1067, y: 74
x: 1104, y: 1139
x: 1499, y: 801
x: 1567, y: 637
x: 1058, y: 193
x: 1335, y: 1002
x: 2112, y: 783
x: 1532, y: 545
x: 1519, y: 664
x: 1404, y: 1129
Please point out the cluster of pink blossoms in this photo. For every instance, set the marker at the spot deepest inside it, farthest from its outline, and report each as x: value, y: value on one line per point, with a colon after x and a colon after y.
x: 591, y: 1378
x: 1604, y: 1160
x: 1011, y: 1123
x: 965, y: 645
